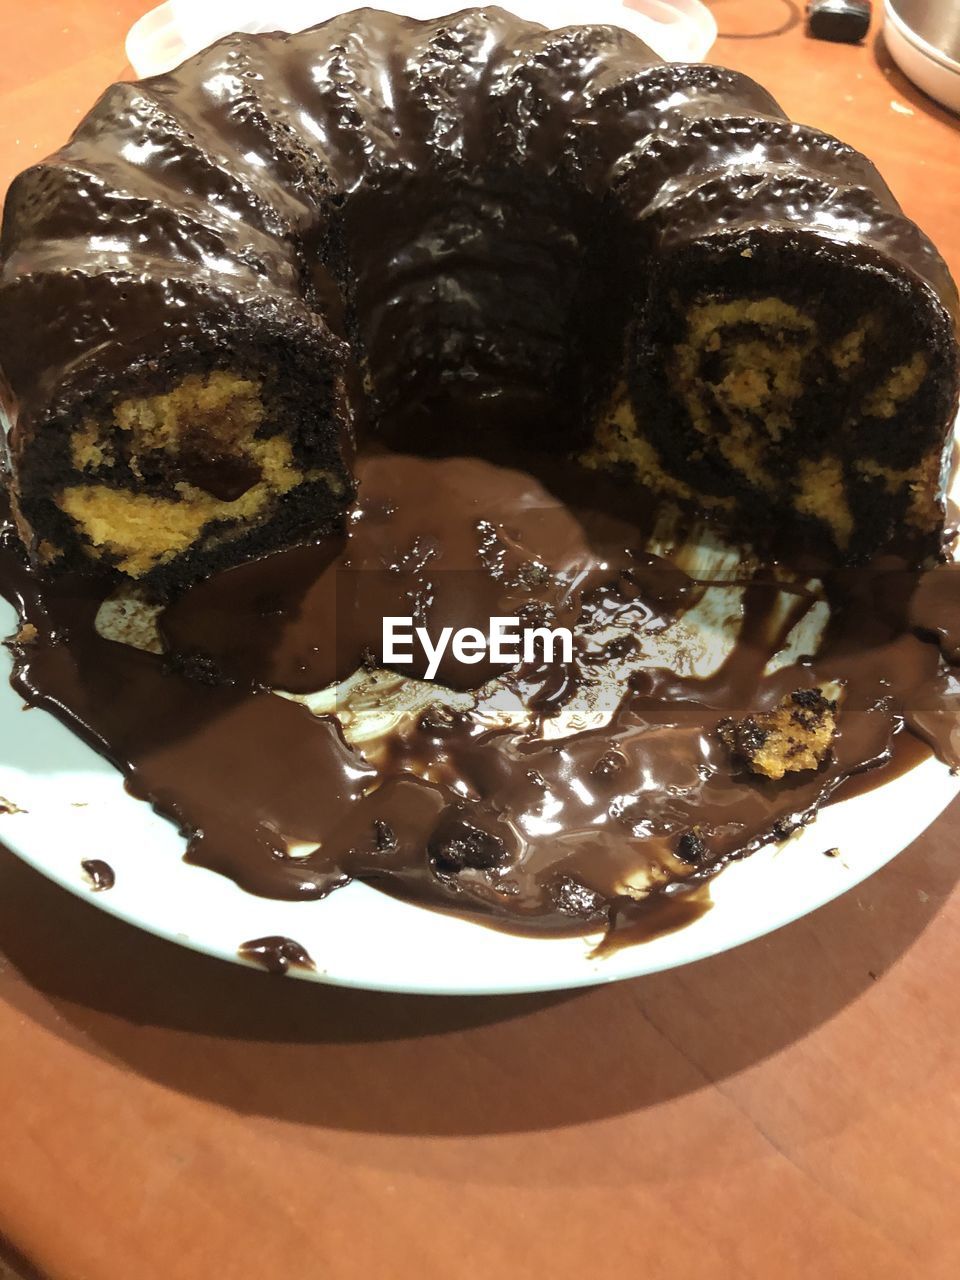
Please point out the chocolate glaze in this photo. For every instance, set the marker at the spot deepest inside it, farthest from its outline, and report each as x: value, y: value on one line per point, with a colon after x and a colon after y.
x: 664, y: 911
x: 275, y: 954
x: 100, y: 874
x: 472, y: 204
x: 450, y: 542
x: 935, y: 607
x: 507, y: 824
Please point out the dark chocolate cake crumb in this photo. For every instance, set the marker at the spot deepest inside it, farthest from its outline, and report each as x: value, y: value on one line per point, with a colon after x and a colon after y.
x: 574, y: 898
x: 199, y: 667
x: 384, y: 836
x: 691, y: 847
x: 458, y: 844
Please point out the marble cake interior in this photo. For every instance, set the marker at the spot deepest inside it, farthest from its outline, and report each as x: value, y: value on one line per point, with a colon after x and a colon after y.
x: 464, y: 233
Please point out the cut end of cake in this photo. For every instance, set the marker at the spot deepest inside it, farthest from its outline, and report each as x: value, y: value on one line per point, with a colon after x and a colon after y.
x: 797, y: 396
x: 146, y: 481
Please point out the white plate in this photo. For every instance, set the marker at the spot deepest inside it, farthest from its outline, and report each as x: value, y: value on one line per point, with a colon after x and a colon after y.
x: 678, y: 30
x: 73, y: 806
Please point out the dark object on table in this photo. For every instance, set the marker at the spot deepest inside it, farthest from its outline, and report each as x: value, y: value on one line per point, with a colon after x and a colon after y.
x: 846, y: 21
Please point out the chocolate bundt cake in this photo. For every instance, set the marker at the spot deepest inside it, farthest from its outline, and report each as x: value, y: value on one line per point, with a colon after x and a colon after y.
x: 468, y: 224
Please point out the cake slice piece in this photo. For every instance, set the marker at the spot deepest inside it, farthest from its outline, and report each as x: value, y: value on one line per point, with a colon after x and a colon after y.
x: 793, y: 363
x: 795, y: 736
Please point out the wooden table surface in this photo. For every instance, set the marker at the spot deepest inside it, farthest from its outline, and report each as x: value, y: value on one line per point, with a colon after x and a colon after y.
x: 788, y: 1109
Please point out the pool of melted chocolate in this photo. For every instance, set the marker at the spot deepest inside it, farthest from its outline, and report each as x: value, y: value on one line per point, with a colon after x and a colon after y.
x: 564, y: 809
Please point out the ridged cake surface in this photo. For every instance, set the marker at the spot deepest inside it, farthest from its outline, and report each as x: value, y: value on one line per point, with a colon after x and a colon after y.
x: 474, y: 229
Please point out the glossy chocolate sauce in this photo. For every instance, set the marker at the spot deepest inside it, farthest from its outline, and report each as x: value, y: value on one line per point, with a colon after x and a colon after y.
x: 99, y: 873
x: 276, y: 954
x: 512, y: 822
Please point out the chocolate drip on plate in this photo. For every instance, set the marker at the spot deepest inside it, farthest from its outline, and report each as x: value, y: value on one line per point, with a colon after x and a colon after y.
x: 616, y: 827
x: 99, y: 873
x: 275, y: 954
